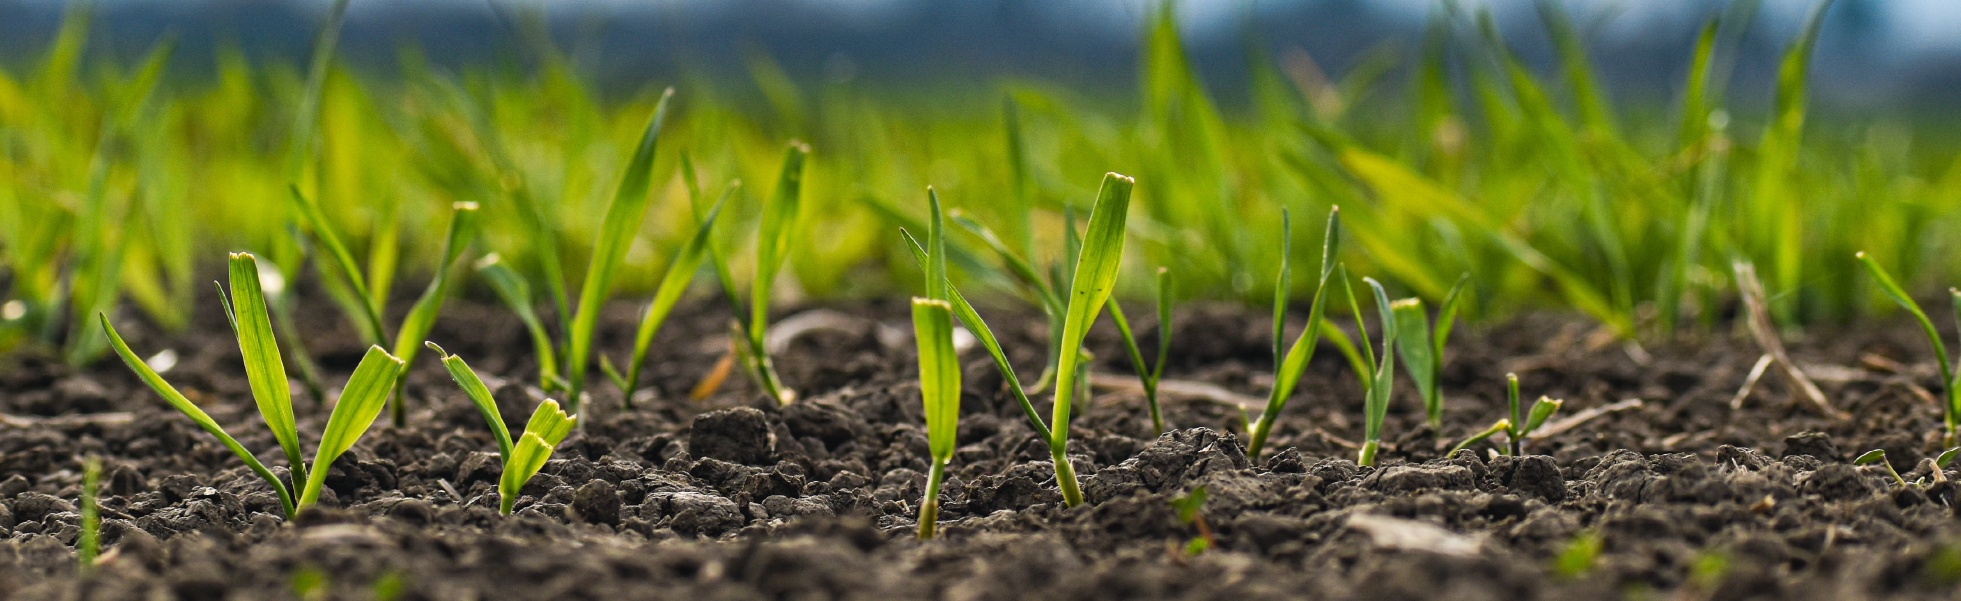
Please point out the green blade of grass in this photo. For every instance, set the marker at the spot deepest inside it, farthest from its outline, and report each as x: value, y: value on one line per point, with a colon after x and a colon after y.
x: 1899, y: 296
x: 1542, y: 410
x: 772, y: 247
x: 939, y: 388
x: 480, y: 396
x: 360, y: 403
x: 1095, y: 276
x: 1516, y: 436
x: 1017, y: 266
x: 965, y: 311
x: 1137, y: 364
x: 265, y: 371
x: 1502, y: 425
x: 88, y: 542
x: 666, y: 295
x: 191, y: 410
x: 609, y: 252
x: 512, y: 288
x: 422, y: 316
x: 349, y: 272
x: 1287, y: 372
x: 1377, y: 406
x: 1419, y: 356
x: 1447, y: 317
x: 548, y: 427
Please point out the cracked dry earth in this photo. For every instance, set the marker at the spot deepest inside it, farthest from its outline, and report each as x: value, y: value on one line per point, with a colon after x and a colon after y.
x: 1677, y: 496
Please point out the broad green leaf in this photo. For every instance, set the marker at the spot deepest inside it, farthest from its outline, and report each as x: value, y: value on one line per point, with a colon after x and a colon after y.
x: 198, y: 416
x: 672, y: 286
x: 1089, y: 290
x: 264, y: 370
x: 547, y: 427
x: 360, y: 403
x: 480, y: 396
x: 939, y: 373
x: 1418, y: 355
x: 1542, y: 410
x: 609, y: 251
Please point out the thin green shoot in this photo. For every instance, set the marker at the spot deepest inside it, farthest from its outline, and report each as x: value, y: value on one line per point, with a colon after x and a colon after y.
x: 1941, y: 462
x: 939, y: 388
x: 1034, y: 286
x: 616, y: 232
x: 1899, y: 295
x: 1293, y: 361
x: 88, y: 544
x: 672, y: 286
x: 1519, y: 422
x: 1422, y: 349
x: 1148, y: 374
x: 1382, y: 382
x: 264, y: 371
x: 1879, y: 456
x: 1094, y: 278
x: 773, y: 242
x: 516, y: 293
x: 422, y: 315
x: 343, y: 267
x: 972, y: 319
x: 523, y: 458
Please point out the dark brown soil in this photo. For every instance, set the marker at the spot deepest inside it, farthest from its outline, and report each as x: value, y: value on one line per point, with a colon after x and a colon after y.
x: 732, y: 498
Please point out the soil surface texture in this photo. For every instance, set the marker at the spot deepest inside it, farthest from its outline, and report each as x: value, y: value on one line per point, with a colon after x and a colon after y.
x: 1650, y: 484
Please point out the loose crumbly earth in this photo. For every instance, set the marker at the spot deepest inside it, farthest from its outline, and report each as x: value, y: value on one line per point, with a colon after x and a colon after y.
x: 730, y: 497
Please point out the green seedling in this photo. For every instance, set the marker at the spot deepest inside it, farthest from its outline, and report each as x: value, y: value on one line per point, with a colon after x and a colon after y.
x: 1422, y: 349
x: 1945, y: 459
x: 1879, y: 456
x: 1190, y: 510
x: 522, y: 459
x: 361, y: 401
x: 672, y: 286
x: 1516, y: 425
x: 939, y: 387
x: 1899, y: 295
x: 1382, y: 368
x: 368, y: 314
x: 616, y: 232
x: 515, y: 291
x: 1578, y: 556
x: 773, y: 241
x: 89, y: 542
x: 1094, y: 277
x: 1291, y: 361
x: 968, y: 316
x: 1149, y: 374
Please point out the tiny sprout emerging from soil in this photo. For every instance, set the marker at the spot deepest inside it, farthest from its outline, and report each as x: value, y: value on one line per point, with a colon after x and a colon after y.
x: 939, y: 368
x: 1422, y: 349
x: 1290, y: 361
x: 1190, y: 508
x: 361, y: 401
x: 1945, y: 459
x: 1382, y: 373
x: 1148, y: 375
x: 1879, y: 456
x: 1515, y: 425
x: 1899, y: 295
x: 88, y: 544
x: 1578, y: 556
x: 548, y: 426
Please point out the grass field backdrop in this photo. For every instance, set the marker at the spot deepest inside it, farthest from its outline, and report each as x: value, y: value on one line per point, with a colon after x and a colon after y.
x: 121, y: 185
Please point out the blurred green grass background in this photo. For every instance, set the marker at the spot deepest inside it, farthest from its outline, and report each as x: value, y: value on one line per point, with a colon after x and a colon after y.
x: 120, y: 186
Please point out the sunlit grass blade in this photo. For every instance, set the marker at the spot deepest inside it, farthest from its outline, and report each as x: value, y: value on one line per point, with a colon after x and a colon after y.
x: 1289, y: 366
x: 616, y: 231
x: 1419, y: 358
x: 480, y: 396
x: 1773, y: 224
x: 1095, y: 276
x: 1899, y: 295
x: 672, y: 286
x: 1147, y: 374
x: 369, y: 320
x: 515, y: 291
x: 773, y: 241
x: 422, y: 316
x: 1017, y: 266
x: 972, y: 319
x: 264, y: 369
x: 1377, y: 407
x: 191, y: 410
x: 939, y: 388
x: 87, y: 544
x: 360, y: 403
x: 1542, y: 410
x: 547, y: 427
x: 1502, y: 425
x: 1879, y: 456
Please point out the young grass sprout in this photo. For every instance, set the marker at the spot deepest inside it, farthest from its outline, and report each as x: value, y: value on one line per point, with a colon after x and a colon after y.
x: 1899, y: 295
x: 1149, y: 374
x: 939, y: 388
x: 1515, y: 426
x: 1879, y: 456
x: 1292, y: 360
x: 88, y: 544
x: 523, y: 458
x: 1382, y: 373
x: 1094, y: 278
x: 1422, y: 349
x: 361, y: 401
